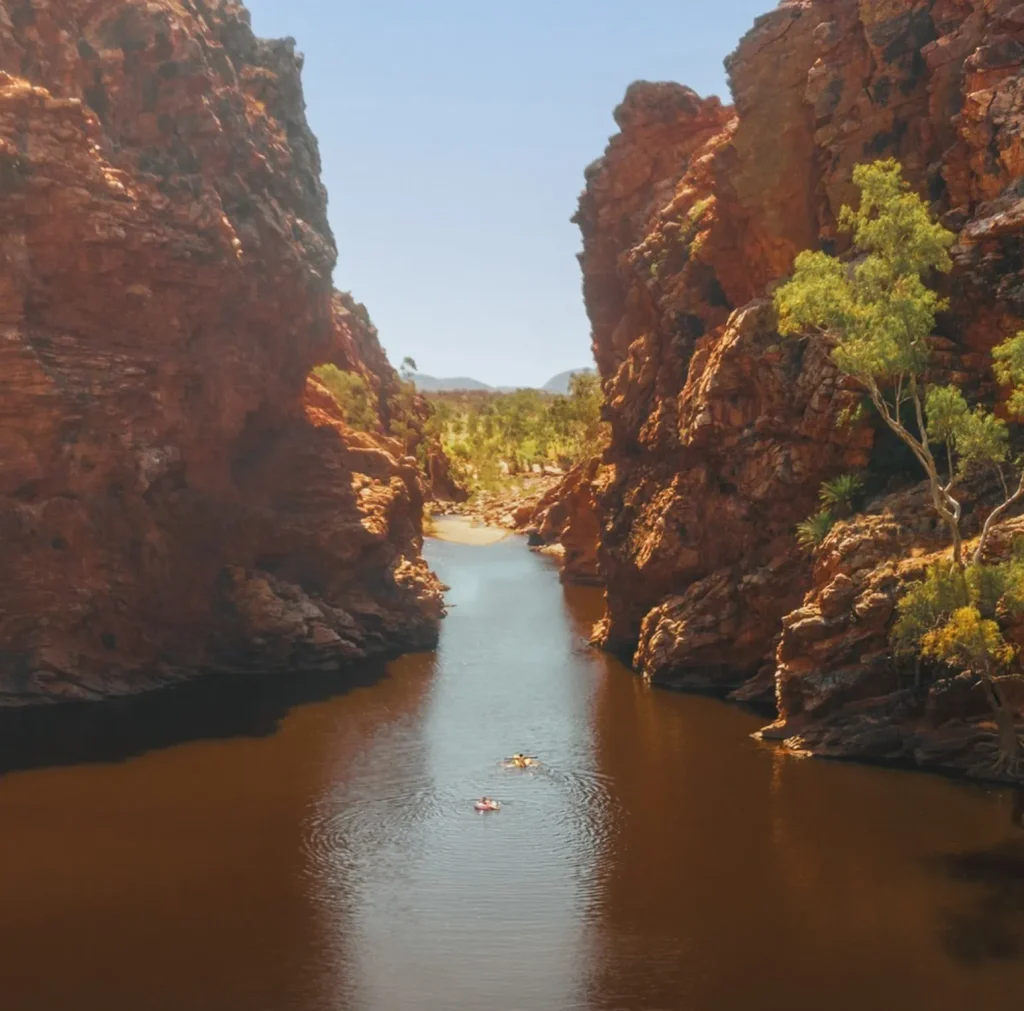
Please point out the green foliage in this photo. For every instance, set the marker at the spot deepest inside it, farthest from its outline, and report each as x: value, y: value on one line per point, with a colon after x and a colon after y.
x: 876, y: 315
x: 927, y: 604
x: 487, y: 435
x: 932, y: 613
x: 840, y: 495
x: 838, y: 498
x: 974, y: 438
x: 952, y: 617
x: 946, y: 409
x: 879, y: 313
x: 694, y: 220
x: 998, y: 590
x: 851, y: 415
x: 968, y: 641
x: 684, y: 234
x: 894, y: 224
x: 1009, y: 369
x: 405, y: 409
x: 811, y: 532
x: 352, y: 394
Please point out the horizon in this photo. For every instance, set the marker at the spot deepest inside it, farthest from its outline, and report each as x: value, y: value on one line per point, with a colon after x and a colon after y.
x: 454, y: 146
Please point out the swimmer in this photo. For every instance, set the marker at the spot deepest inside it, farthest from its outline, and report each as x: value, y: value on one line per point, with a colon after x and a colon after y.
x: 519, y: 761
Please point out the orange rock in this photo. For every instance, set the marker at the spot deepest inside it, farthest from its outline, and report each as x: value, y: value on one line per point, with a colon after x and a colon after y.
x: 174, y: 496
x: 568, y: 517
x: 722, y: 432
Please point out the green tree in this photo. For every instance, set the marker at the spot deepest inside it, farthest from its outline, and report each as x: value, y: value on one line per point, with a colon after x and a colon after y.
x: 876, y: 315
x: 405, y: 410
x: 352, y: 394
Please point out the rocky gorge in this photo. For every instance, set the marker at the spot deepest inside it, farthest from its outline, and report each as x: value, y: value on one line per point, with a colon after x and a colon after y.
x: 177, y: 495
x: 722, y: 431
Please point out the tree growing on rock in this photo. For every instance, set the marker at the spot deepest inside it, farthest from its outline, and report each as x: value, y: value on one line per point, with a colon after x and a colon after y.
x: 876, y: 314
x: 952, y: 617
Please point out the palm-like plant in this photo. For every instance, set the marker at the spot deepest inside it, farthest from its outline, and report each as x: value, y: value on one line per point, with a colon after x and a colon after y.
x: 814, y: 530
x: 839, y: 496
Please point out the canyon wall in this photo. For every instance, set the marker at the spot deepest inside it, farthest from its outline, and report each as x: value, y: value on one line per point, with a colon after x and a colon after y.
x: 722, y: 431
x: 176, y: 495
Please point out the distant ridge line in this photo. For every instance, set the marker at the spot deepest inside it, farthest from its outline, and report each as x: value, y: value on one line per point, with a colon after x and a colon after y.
x: 433, y: 384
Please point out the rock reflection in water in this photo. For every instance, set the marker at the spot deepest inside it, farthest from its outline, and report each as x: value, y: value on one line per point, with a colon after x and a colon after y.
x: 310, y: 845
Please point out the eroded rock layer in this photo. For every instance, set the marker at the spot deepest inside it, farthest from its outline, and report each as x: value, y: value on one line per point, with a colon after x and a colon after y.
x: 566, y: 522
x: 175, y: 494
x: 722, y: 431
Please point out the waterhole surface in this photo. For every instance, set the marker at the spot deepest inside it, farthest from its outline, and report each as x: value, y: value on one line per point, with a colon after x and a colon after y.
x: 311, y: 844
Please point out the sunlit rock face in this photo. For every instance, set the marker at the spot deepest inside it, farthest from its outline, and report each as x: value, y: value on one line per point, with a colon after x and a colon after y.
x: 723, y: 431
x: 176, y: 496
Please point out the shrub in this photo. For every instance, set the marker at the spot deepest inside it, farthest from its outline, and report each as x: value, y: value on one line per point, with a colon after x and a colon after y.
x: 951, y: 617
x: 353, y: 396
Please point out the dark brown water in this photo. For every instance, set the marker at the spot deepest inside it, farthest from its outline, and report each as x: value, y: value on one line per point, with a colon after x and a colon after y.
x: 307, y: 846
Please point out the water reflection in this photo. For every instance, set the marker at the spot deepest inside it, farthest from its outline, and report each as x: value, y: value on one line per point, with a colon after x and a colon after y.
x: 205, y: 710
x: 743, y: 876
x: 181, y: 878
x: 310, y: 845
x: 991, y: 925
x: 454, y: 910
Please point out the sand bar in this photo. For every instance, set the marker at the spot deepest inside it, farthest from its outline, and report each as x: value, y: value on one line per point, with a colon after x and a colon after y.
x: 461, y: 530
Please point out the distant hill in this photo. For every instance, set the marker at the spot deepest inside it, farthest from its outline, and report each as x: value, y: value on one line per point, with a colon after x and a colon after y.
x: 560, y: 383
x: 431, y: 384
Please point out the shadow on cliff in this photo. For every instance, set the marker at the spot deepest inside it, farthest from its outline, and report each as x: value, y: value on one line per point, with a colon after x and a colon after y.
x: 990, y: 925
x: 212, y: 708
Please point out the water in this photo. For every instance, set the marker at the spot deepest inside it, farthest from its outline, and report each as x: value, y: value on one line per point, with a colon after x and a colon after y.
x: 311, y: 844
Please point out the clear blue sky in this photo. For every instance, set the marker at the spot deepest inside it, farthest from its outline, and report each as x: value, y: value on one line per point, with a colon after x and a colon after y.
x: 454, y: 137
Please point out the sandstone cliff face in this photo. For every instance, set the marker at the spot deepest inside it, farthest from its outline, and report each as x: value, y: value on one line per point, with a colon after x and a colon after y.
x: 722, y: 432
x: 175, y: 495
x: 567, y: 522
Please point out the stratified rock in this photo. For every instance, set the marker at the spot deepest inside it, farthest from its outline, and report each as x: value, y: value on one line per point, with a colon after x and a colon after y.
x: 722, y: 432
x: 840, y: 691
x: 567, y: 518
x: 175, y: 495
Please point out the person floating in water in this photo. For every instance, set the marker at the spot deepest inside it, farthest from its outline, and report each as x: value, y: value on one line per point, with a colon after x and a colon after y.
x: 519, y: 761
x: 487, y: 804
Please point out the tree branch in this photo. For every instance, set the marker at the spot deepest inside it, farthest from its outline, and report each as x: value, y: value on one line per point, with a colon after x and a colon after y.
x: 993, y: 518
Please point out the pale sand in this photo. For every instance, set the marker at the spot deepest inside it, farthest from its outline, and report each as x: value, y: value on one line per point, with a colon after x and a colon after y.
x: 461, y: 530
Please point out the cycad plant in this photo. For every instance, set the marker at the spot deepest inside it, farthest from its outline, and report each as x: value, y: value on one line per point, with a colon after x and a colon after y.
x: 811, y: 532
x: 841, y: 495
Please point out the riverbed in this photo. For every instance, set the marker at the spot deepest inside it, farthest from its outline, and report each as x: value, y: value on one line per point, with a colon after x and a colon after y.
x: 310, y: 844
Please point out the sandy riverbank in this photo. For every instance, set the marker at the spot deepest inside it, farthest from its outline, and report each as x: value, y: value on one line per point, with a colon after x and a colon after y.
x: 462, y: 530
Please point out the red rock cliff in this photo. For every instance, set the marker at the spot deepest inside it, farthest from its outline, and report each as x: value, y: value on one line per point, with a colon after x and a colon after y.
x: 722, y: 432
x: 175, y: 495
